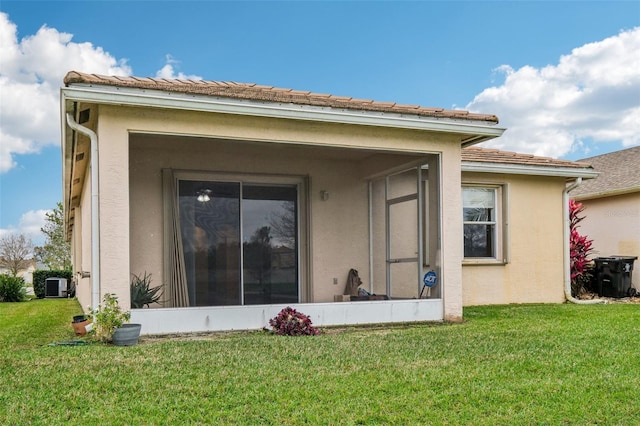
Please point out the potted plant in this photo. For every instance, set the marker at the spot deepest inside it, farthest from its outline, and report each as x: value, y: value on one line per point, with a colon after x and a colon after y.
x: 79, y: 324
x: 110, y: 323
x: 142, y: 293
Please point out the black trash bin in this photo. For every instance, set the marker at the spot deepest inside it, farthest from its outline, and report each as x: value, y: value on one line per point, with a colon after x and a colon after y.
x: 613, y: 276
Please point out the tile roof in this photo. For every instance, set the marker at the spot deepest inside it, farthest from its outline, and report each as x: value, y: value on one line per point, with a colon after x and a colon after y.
x: 487, y: 155
x: 619, y: 173
x: 255, y: 92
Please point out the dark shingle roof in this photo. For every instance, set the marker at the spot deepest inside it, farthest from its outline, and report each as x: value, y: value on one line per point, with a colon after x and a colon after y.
x: 487, y: 155
x: 250, y: 91
x: 619, y: 173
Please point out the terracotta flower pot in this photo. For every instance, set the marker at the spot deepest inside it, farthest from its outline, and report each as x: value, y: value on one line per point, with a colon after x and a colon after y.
x: 80, y: 327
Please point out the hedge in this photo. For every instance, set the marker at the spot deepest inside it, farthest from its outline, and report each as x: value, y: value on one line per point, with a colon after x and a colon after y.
x: 40, y: 278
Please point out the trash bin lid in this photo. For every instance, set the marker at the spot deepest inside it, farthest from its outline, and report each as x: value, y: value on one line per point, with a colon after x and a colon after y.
x: 624, y: 257
x: 615, y: 258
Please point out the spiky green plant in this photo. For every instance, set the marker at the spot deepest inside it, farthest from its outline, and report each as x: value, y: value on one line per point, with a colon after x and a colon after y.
x: 142, y: 293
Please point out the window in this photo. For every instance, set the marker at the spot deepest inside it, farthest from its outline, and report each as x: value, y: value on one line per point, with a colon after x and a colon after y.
x: 482, y: 217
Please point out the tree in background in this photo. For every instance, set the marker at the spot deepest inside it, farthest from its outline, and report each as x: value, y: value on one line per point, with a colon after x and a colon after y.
x: 15, y: 253
x: 56, y: 252
x: 580, y: 248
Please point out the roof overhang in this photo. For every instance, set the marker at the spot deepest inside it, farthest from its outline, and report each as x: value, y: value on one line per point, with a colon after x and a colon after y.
x: 604, y: 194
x: 518, y: 169
x: 473, y: 131
x: 470, y: 131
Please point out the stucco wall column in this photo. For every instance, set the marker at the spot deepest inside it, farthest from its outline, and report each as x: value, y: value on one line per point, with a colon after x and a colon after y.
x: 113, y: 149
x: 451, y: 234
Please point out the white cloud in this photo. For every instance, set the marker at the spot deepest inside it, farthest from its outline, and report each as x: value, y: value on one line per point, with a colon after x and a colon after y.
x: 168, y: 71
x: 30, y: 78
x: 592, y: 94
x: 29, y: 225
x: 32, y: 72
x: 31, y: 75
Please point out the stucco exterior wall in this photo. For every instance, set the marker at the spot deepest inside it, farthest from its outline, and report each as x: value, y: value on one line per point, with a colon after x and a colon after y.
x: 338, y: 226
x: 613, y: 223
x: 82, y: 246
x: 534, y: 272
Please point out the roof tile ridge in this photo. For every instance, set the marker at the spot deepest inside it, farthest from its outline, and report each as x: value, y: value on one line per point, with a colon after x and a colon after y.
x: 427, y: 109
x: 97, y: 76
x: 300, y: 92
x: 185, y: 81
x: 322, y: 95
x: 280, y: 90
x: 504, y: 156
x: 362, y: 101
x: 263, y: 87
x: 140, y: 79
x: 264, y: 92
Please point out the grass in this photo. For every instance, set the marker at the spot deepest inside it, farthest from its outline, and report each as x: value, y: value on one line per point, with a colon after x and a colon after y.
x: 515, y: 365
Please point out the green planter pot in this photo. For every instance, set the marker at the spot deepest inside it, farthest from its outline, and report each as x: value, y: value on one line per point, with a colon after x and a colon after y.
x: 127, y: 335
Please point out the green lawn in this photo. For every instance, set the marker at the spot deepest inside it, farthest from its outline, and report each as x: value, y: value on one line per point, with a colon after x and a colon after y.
x: 506, y: 365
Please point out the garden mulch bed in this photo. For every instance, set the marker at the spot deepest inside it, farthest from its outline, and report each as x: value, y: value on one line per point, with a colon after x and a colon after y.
x: 591, y: 296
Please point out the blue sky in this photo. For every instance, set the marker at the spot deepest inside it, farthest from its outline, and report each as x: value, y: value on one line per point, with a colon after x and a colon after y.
x: 563, y: 77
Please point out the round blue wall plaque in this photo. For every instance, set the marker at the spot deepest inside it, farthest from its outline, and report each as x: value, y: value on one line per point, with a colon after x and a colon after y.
x: 430, y: 279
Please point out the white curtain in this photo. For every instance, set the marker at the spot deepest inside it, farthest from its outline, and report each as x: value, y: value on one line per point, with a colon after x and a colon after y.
x: 174, y: 267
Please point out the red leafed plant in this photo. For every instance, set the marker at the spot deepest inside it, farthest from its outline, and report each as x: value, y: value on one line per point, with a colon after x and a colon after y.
x: 290, y: 322
x: 580, y: 248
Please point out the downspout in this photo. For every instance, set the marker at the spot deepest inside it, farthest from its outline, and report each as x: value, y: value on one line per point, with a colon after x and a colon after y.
x: 567, y: 249
x: 95, y: 212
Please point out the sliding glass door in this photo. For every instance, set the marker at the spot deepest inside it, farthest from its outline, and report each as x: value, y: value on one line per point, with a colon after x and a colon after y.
x: 240, y: 242
x: 269, y: 244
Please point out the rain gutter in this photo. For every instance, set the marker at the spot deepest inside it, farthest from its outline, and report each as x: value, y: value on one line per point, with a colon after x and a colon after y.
x: 532, y: 170
x: 95, y: 210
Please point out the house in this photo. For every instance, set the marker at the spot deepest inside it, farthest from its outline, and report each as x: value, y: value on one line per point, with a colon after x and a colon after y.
x: 26, y: 274
x: 530, y: 263
x: 612, y: 205
x: 242, y: 199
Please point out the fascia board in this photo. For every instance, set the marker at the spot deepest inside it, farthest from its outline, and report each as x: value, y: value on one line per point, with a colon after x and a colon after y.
x: 518, y: 169
x: 162, y: 99
x: 67, y: 163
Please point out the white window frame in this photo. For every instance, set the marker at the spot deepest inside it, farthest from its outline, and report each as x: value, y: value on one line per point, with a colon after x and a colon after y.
x: 500, y: 222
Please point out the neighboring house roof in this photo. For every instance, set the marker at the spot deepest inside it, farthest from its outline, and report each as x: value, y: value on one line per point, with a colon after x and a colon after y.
x: 619, y: 173
x: 255, y: 92
x: 478, y: 159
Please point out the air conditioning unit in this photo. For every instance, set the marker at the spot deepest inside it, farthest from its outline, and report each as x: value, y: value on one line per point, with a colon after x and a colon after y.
x: 55, y: 287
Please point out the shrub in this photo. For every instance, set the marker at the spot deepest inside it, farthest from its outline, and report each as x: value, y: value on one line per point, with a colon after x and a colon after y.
x: 107, y: 318
x: 290, y: 322
x: 12, y: 289
x: 40, y: 278
x: 580, y: 248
